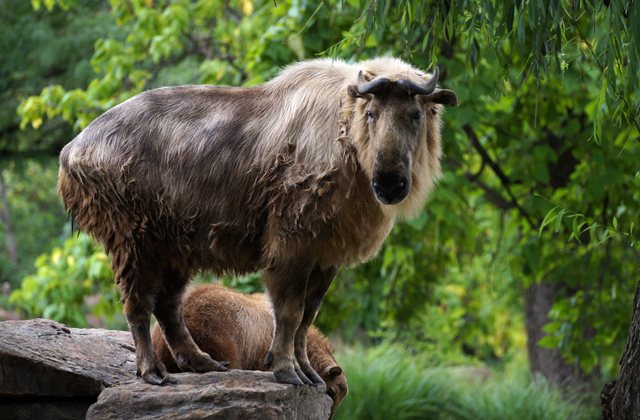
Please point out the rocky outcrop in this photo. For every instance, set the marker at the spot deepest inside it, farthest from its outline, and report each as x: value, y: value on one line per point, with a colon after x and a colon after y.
x: 237, y: 394
x: 50, y: 371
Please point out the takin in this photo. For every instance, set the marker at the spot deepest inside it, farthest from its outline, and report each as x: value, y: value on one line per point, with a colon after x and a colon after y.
x: 238, y: 328
x: 295, y: 177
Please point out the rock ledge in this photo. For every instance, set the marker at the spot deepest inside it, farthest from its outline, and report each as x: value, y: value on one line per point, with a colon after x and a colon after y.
x: 49, y: 371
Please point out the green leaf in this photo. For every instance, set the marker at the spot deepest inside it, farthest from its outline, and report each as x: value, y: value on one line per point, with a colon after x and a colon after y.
x: 488, y: 7
x: 549, y: 342
x: 550, y: 217
x: 520, y: 30
x: 552, y: 327
x: 559, y: 220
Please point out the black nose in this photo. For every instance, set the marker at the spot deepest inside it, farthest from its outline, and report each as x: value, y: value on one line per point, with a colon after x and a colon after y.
x: 390, y: 189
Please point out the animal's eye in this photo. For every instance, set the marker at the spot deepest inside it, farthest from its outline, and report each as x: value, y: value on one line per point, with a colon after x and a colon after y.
x: 417, y: 116
x: 331, y: 392
x: 370, y: 115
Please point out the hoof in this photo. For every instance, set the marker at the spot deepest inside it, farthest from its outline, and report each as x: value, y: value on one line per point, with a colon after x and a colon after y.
x: 152, y: 378
x: 170, y: 379
x: 287, y: 376
x: 314, y: 377
x: 200, y: 363
x: 183, y: 362
x: 303, y: 377
x: 268, y: 360
x: 207, y: 364
x: 154, y: 373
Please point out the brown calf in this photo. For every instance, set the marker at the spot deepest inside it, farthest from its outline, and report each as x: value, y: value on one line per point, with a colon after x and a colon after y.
x: 238, y: 328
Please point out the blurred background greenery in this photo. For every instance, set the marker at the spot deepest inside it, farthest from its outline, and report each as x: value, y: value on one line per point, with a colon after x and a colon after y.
x: 510, y: 293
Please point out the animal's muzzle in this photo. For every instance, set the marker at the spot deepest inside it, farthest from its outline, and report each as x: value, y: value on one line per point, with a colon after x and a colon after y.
x: 390, y: 188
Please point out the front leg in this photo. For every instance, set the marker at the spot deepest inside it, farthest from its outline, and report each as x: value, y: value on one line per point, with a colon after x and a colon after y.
x: 319, y: 282
x: 286, y: 285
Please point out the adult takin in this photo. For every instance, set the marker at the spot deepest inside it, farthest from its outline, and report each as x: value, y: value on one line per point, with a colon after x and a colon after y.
x: 238, y: 328
x: 295, y: 177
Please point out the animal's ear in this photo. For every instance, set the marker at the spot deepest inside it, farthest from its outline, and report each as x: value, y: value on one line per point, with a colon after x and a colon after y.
x: 352, y: 91
x: 442, y: 96
x: 334, y: 371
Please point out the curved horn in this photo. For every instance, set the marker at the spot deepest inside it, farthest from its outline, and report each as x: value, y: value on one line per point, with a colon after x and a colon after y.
x: 372, y: 86
x: 421, y: 89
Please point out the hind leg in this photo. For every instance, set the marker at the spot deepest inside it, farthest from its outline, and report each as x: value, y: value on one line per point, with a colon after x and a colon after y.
x: 168, y: 312
x: 138, y: 312
x: 319, y: 282
x: 286, y: 286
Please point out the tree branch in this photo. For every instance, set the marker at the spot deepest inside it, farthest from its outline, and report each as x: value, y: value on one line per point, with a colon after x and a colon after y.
x: 498, y: 171
x: 492, y: 195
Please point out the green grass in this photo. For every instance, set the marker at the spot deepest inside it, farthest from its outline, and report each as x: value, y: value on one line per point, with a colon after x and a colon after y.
x: 389, y: 383
x: 385, y: 383
x: 521, y: 397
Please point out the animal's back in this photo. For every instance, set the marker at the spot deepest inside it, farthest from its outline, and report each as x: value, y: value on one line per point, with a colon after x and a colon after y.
x: 164, y: 162
x: 164, y: 145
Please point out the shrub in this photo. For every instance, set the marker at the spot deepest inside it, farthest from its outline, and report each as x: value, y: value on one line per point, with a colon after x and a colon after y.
x: 63, y: 279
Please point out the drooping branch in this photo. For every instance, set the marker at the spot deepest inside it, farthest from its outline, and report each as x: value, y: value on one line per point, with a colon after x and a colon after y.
x: 504, y: 179
x: 490, y: 194
x: 485, y: 156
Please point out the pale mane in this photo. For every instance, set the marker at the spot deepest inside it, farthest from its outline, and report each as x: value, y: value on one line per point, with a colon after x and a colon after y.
x: 309, y: 103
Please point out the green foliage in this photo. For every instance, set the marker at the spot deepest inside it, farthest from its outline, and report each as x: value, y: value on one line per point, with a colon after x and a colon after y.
x: 526, y: 150
x: 532, y: 36
x: 40, y: 50
x: 237, y: 42
x: 47, y: 47
x: 251, y: 283
x: 388, y: 382
x: 475, y: 313
x: 64, y: 279
x: 36, y: 216
x: 581, y: 225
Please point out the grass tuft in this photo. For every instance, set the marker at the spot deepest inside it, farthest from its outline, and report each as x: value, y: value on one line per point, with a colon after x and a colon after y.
x: 388, y: 382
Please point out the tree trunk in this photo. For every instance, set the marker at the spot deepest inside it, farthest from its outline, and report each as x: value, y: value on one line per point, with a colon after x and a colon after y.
x: 538, y: 300
x: 11, y: 241
x: 621, y: 399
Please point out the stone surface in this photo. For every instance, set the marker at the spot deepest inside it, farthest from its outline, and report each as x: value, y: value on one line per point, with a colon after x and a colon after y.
x: 236, y: 394
x: 47, y: 409
x: 41, y: 358
x: 49, y: 372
